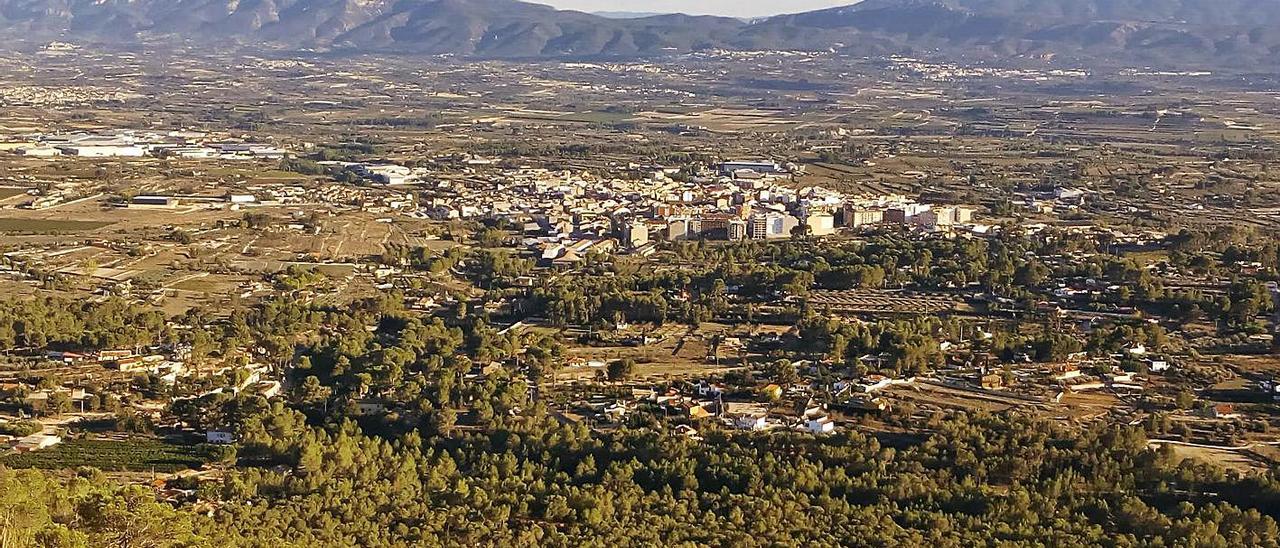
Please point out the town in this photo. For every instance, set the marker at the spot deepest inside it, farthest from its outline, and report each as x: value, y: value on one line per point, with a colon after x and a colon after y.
x: 209, y: 295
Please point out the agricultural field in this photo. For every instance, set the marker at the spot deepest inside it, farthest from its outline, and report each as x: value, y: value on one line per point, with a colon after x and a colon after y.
x: 132, y: 455
x: 48, y: 226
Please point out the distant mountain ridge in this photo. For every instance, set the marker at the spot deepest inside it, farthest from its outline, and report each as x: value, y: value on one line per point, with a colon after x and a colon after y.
x: 1232, y: 31
x: 626, y: 14
x: 1236, y: 32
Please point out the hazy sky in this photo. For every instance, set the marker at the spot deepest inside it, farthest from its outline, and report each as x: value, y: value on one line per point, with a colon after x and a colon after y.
x: 736, y: 8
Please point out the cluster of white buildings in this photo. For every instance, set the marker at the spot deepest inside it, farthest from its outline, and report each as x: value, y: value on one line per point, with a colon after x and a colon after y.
x: 133, y: 144
x: 382, y: 173
x: 900, y: 210
x: 333, y: 195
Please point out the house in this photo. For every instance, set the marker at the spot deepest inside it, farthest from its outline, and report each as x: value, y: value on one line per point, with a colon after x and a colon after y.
x: 615, y: 411
x: 820, y: 425
x: 873, y: 383
x: 858, y: 403
x: 749, y: 421
x: 169, y: 378
x: 670, y: 397
x: 67, y: 357
x: 642, y: 394
x: 645, y: 250
x: 131, y: 364
x: 36, y: 442
x: 1065, y: 372
x: 708, y: 390
x: 1118, y: 377
x: 114, y: 355
x: 688, y: 432
x: 491, y: 369
x: 992, y: 382
x: 811, y: 409
x: 1221, y: 411
x: 220, y: 437
x: 679, y: 405
x: 370, y: 407
x: 697, y: 411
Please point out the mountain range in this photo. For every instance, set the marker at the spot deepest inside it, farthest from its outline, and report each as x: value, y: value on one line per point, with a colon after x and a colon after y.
x: 1157, y: 32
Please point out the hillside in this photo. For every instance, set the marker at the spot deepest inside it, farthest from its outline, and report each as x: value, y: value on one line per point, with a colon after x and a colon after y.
x: 1230, y: 32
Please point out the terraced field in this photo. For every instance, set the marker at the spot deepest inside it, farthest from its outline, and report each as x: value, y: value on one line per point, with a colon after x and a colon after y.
x: 883, y: 301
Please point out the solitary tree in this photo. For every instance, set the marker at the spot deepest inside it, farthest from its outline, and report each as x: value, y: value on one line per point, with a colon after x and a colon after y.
x: 621, y: 369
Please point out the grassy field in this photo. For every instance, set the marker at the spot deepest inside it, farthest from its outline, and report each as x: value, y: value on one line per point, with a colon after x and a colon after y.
x: 1264, y: 365
x: 1148, y: 257
x: 591, y: 117
x: 1239, y: 461
x: 47, y: 226
x: 136, y: 455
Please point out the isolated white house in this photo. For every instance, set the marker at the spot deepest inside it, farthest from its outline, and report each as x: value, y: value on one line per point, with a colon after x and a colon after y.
x: 220, y: 437
x: 820, y: 425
